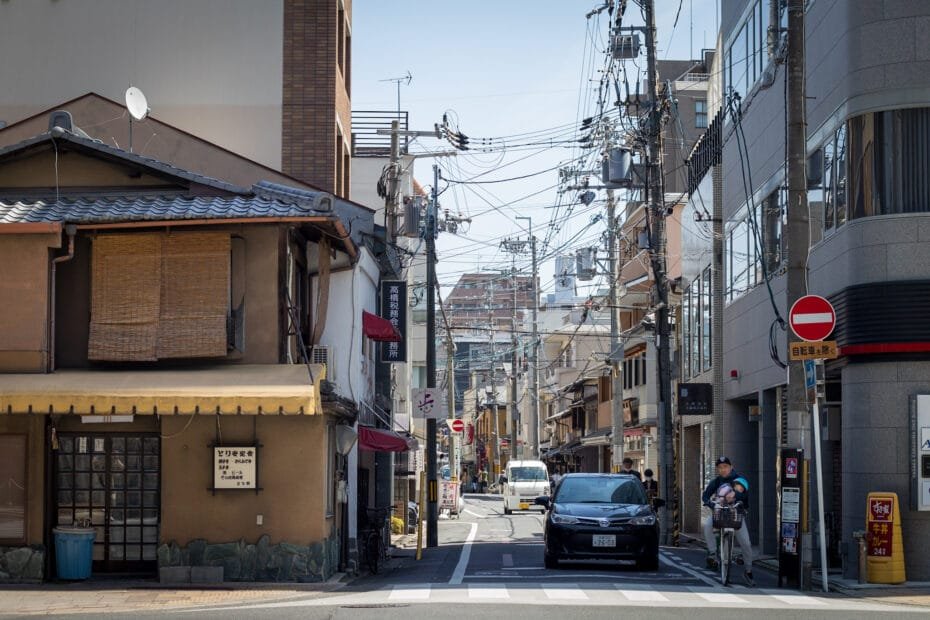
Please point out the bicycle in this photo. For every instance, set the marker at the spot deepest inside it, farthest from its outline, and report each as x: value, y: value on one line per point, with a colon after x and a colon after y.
x: 375, y: 550
x: 727, y: 519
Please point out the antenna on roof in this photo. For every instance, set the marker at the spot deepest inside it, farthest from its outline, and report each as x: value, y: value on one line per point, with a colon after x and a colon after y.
x: 138, y: 107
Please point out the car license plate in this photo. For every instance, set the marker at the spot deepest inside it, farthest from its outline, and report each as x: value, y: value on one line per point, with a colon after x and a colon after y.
x: 524, y: 506
x: 604, y: 540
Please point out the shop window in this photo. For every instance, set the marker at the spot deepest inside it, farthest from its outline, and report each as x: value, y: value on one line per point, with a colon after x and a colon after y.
x: 13, y: 489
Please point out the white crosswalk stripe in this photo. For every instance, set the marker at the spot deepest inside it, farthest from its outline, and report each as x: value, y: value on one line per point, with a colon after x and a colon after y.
x: 487, y: 590
x: 713, y: 596
x: 565, y: 591
x: 640, y: 594
x: 594, y: 593
x: 794, y: 599
x: 411, y: 592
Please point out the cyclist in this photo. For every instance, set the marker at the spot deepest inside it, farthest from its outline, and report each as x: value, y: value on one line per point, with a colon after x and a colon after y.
x: 734, y: 489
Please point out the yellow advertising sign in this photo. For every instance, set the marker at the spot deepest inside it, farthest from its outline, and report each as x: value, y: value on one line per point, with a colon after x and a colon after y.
x: 825, y: 350
x: 885, y: 558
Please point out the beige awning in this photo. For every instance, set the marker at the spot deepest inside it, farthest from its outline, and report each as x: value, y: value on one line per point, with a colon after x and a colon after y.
x: 269, y: 389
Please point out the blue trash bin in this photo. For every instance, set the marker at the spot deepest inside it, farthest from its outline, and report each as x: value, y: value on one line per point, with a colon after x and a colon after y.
x: 74, y: 551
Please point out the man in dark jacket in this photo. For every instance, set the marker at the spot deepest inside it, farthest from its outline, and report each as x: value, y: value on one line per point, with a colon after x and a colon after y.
x: 727, y: 488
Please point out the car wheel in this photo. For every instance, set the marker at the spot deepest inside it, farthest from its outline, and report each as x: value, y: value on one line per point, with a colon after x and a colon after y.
x: 648, y: 562
x: 508, y: 511
x: 550, y: 561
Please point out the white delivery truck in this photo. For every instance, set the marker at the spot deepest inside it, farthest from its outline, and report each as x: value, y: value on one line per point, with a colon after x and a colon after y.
x: 525, y: 481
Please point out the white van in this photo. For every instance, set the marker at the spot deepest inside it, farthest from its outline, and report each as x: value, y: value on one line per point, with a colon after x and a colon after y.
x: 526, y: 480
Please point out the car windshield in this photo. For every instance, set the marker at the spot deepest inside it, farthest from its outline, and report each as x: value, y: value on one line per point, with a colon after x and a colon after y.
x: 600, y: 490
x: 528, y: 474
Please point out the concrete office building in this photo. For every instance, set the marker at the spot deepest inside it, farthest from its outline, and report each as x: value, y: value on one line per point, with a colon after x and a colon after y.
x: 868, y: 126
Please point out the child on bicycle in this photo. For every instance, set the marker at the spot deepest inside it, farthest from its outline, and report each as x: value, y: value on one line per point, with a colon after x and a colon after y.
x: 726, y: 489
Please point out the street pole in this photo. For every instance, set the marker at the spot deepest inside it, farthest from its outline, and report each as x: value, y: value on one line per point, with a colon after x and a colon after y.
x: 657, y: 206
x: 533, y: 426
x: 450, y: 395
x: 393, y: 189
x: 616, y: 350
x: 798, y: 243
x: 432, y: 513
x: 514, y: 416
x: 495, y: 444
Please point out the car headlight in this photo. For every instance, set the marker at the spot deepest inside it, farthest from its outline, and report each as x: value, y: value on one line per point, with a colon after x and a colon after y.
x: 564, y: 519
x: 643, y: 520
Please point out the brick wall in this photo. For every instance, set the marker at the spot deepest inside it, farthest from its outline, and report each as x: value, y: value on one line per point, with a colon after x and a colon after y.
x: 314, y: 91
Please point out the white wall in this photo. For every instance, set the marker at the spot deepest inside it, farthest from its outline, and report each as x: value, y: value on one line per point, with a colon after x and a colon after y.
x: 351, y: 292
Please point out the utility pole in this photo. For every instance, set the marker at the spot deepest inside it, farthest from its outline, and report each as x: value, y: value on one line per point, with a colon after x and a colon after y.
x: 798, y: 243
x: 658, y: 250
x: 534, y: 423
x: 432, y: 506
x: 450, y: 387
x: 514, y: 416
x: 492, y: 405
x: 393, y: 189
x: 616, y: 349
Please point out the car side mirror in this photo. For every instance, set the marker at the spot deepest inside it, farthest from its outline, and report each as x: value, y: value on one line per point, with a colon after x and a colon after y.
x: 542, y: 501
x: 658, y: 502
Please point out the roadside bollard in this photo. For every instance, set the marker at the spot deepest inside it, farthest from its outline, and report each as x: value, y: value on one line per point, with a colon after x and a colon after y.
x: 860, y: 535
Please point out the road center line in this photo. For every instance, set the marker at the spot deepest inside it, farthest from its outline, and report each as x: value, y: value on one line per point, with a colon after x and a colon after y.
x: 475, y: 514
x: 459, y: 573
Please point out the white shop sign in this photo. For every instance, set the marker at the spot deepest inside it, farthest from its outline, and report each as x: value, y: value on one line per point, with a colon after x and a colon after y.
x: 234, y: 467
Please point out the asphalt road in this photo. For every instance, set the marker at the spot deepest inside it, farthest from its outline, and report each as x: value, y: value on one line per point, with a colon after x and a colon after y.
x: 491, y: 565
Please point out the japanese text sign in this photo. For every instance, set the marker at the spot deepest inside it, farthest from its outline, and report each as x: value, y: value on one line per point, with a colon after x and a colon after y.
x: 234, y: 467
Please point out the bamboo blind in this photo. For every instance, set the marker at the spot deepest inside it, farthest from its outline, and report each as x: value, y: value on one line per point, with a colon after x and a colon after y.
x: 159, y: 296
x: 125, y: 300
x: 194, y: 295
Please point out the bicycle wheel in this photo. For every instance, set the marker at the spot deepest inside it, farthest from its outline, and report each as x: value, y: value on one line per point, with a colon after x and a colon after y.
x: 726, y: 555
x: 373, y: 551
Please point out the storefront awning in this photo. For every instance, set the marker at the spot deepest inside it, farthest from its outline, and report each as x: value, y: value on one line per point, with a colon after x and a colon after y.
x: 598, y: 438
x: 381, y: 440
x: 379, y: 329
x: 269, y: 389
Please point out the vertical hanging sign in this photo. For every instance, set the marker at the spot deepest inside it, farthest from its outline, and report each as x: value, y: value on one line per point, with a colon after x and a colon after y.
x: 394, y: 309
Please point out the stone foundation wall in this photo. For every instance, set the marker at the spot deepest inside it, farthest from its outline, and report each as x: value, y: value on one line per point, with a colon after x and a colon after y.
x: 22, y: 564
x: 261, y: 561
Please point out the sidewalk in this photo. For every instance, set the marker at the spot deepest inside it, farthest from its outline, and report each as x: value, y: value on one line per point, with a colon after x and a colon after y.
x: 908, y: 593
x: 131, y: 595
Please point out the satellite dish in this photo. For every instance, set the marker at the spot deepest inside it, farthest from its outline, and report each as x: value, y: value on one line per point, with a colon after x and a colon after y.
x: 136, y: 103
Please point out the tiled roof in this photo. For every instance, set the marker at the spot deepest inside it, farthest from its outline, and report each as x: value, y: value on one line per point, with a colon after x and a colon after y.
x: 110, y: 209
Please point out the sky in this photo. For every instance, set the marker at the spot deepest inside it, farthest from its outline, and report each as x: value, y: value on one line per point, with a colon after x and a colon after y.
x: 520, y: 76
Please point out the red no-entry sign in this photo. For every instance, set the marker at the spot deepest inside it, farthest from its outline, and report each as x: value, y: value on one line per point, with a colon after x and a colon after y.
x: 812, y: 318
x: 456, y: 426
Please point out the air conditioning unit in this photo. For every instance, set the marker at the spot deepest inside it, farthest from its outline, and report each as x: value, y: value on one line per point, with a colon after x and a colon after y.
x: 323, y: 354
